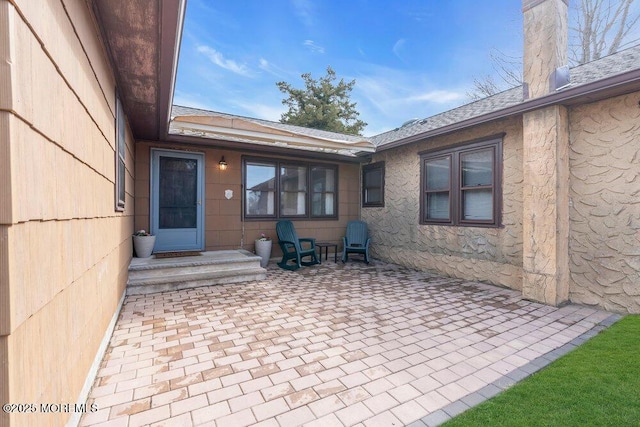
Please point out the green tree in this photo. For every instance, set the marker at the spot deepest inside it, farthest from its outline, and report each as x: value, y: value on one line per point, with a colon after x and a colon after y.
x: 322, y: 105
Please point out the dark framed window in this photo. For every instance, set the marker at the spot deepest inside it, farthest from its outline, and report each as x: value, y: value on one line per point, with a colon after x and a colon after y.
x: 289, y: 189
x: 260, y: 189
x: 462, y: 185
x: 293, y: 190
x: 373, y: 185
x: 324, y: 191
x: 121, y: 145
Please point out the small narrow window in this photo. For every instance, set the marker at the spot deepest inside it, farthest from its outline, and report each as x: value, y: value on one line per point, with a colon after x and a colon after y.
x: 293, y: 190
x: 120, y: 191
x: 260, y: 194
x: 438, y: 189
x: 373, y: 185
x: 323, y: 191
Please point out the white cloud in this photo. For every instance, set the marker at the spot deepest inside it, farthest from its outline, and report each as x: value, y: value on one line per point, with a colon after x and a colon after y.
x: 262, y: 111
x: 219, y: 59
x: 271, y: 68
x: 387, y: 88
x: 313, y: 47
x: 304, y: 10
x: 397, y: 47
x: 193, y: 100
x: 388, y: 97
x: 438, y: 96
x: 376, y: 91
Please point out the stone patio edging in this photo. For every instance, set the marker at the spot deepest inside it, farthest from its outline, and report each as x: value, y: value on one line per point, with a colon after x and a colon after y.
x: 498, y: 386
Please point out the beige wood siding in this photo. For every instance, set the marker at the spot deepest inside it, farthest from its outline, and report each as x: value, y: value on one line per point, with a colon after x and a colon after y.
x: 223, y: 223
x: 64, y: 251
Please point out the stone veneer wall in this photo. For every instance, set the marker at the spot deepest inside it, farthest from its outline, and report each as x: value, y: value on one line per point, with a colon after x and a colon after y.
x: 487, y: 254
x: 604, y: 242
x: 64, y: 251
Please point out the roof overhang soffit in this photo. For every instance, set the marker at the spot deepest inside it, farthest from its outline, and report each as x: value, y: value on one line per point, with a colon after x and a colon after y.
x: 142, y: 40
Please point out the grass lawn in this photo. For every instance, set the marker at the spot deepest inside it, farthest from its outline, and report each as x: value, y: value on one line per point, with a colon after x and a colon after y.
x: 597, y: 384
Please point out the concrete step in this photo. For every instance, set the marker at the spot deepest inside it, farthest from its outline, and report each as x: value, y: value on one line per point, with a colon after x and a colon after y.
x: 150, y: 275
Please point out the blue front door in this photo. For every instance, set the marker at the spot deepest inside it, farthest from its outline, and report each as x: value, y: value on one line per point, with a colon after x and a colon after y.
x: 177, y: 200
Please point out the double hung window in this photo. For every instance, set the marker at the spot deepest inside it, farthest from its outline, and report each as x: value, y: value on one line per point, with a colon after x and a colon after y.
x: 293, y: 190
x: 462, y: 185
x: 373, y: 185
x: 324, y: 191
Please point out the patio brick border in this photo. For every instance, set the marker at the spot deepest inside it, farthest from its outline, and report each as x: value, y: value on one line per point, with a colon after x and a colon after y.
x: 487, y: 392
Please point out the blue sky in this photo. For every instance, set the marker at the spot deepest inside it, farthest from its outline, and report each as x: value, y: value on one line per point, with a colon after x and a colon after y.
x: 410, y: 58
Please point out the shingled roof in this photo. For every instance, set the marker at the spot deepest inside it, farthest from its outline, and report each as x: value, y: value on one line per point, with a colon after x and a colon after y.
x: 178, y: 110
x: 194, y: 122
x: 603, y: 68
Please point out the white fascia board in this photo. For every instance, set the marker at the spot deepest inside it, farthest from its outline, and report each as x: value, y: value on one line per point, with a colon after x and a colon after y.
x: 302, y: 141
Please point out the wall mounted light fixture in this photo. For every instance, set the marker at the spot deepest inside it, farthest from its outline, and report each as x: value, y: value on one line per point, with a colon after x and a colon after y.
x: 223, y: 164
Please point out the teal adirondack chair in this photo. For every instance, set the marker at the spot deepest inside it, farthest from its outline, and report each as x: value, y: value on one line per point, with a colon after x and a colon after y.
x: 356, y: 240
x: 295, y: 248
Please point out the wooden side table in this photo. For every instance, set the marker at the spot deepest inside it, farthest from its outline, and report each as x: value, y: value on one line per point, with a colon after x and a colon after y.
x: 326, y: 246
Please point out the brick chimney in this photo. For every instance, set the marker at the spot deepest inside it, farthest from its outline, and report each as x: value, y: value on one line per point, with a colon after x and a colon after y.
x: 545, y: 46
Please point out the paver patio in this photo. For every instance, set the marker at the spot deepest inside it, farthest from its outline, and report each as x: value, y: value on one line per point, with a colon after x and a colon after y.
x: 329, y: 345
